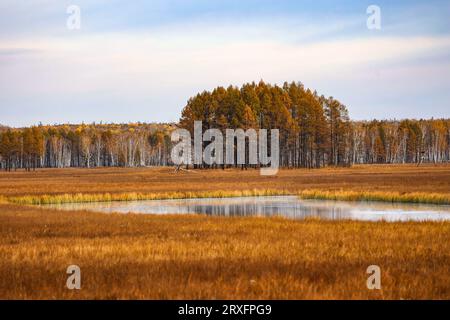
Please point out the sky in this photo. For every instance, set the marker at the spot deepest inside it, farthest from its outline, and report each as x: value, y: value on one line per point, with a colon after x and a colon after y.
x: 141, y: 60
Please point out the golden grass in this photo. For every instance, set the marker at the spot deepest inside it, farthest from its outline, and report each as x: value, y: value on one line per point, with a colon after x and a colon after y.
x: 107, y: 197
x: 393, y: 183
x: 385, y: 178
x: 192, y: 257
x: 416, y: 197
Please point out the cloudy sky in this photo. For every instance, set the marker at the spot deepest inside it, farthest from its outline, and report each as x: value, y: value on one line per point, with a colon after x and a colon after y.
x: 141, y: 60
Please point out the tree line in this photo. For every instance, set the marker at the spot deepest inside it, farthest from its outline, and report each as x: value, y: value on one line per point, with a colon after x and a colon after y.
x: 315, y: 131
x: 96, y: 145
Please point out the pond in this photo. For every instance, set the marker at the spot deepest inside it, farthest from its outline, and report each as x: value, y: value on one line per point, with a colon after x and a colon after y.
x: 285, y: 206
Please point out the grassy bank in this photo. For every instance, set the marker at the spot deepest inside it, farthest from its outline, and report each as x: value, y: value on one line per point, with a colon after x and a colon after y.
x: 107, y: 197
x: 395, y: 197
x: 414, y: 197
x: 194, y: 256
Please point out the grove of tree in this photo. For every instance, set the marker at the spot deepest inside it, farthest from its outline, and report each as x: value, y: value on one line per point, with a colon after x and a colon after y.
x: 315, y: 131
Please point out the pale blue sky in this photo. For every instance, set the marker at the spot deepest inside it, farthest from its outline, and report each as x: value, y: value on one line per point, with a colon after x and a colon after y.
x: 142, y: 60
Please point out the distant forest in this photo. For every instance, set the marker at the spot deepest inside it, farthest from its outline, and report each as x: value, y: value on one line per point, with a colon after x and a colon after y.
x: 94, y: 145
x: 315, y: 131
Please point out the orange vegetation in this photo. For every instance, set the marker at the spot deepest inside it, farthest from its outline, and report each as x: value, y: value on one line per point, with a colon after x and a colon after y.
x: 190, y: 256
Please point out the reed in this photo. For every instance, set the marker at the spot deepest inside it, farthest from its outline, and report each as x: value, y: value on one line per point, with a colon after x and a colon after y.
x: 138, y: 256
x: 341, y: 195
x: 133, y: 196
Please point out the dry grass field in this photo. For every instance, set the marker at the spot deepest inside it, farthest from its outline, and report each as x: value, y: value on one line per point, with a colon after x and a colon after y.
x: 146, y: 256
x: 139, y: 256
x: 401, y: 178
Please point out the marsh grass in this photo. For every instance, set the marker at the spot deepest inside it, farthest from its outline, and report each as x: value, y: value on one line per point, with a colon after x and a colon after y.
x: 199, y: 257
x: 341, y: 195
x: 386, y: 178
x: 414, y: 197
x: 133, y: 196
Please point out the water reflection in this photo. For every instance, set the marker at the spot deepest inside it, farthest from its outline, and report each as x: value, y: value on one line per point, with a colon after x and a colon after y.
x: 286, y: 206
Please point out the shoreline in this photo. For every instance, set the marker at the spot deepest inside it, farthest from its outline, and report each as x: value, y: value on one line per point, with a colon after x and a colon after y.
x: 317, y: 194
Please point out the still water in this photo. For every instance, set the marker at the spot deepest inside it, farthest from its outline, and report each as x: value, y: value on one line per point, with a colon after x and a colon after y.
x: 286, y: 206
